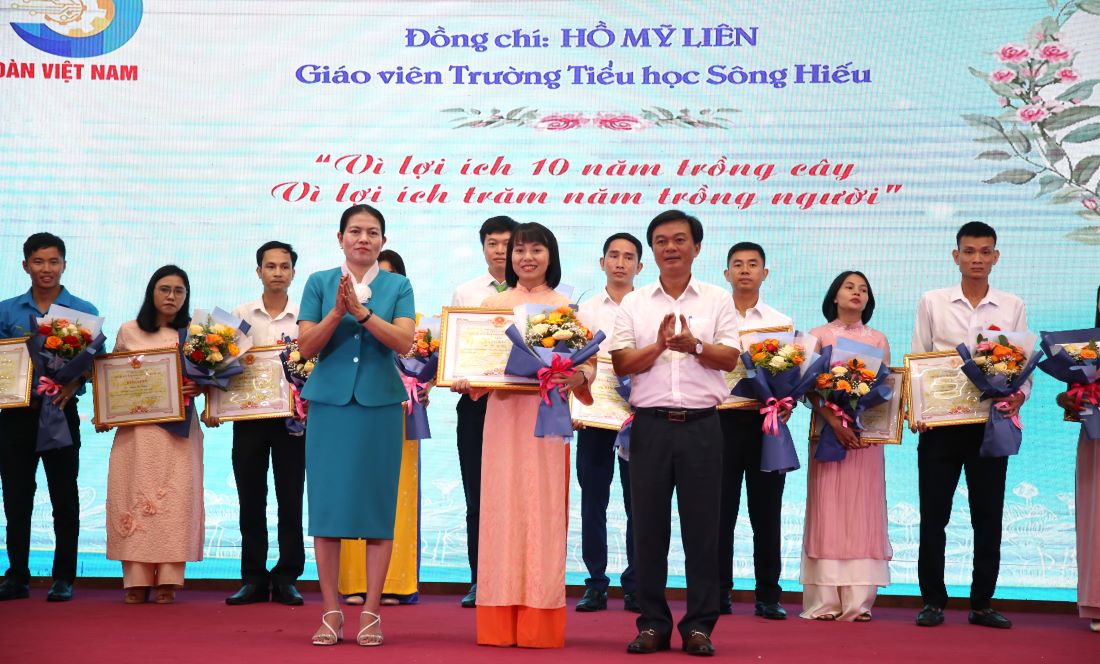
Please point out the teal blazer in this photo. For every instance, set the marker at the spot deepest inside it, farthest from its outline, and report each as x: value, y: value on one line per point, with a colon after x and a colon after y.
x: 353, y: 364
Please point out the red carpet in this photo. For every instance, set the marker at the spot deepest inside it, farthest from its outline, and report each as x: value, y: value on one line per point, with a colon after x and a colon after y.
x: 200, y: 629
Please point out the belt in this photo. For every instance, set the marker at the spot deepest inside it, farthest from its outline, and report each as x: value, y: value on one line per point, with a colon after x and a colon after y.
x: 678, y: 414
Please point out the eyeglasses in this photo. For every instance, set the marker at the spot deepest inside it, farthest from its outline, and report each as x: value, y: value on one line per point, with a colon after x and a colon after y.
x: 178, y: 291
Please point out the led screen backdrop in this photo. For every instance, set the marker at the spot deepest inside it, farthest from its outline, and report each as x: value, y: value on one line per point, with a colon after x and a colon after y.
x: 856, y: 134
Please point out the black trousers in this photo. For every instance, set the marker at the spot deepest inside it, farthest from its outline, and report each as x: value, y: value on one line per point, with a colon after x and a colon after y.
x: 254, y: 442
x: 742, y: 436
x: 469, y: 430
x: 596, y: 460
x: 685, y: 457
x: 18, y: 467
x: 941, y: 456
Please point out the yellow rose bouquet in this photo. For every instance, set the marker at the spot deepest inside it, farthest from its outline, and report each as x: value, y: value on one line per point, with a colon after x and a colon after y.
x: 854, y: 382
x: 213, y: 347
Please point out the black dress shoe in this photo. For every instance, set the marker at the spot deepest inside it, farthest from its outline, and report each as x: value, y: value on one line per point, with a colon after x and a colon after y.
x: 60, y: 591
x: 593, y: 600
x: 989, y: 618
x: 725, y: 603
x: 930, y: 616
x: 13, y: 590
x: 630, y: 603
x: 250, y: 593
x: 286, y: 593
x: 698, y: 643
x: 647, y: 642
x: 470, y: 600
x: 771, y: 610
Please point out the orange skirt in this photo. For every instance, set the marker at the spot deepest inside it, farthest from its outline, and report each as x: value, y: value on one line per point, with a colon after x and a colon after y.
x: 521, y: 626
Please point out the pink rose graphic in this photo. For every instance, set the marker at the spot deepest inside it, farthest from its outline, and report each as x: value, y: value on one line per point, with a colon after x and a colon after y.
x: 620, y: 122
x: 1067, y: 75
x: 1091, y: 203
x: 1013, y: 53
x: 561, y: 121
x: 1002, y: 76
x: 1032, y: 113
x: 1054, y: 53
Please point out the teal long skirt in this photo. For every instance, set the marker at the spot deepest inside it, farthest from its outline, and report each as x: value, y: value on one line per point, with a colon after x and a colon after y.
x: 353, y: 464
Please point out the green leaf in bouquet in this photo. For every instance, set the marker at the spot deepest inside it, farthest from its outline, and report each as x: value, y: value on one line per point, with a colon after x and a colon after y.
x: 1083, y: 134
x: 1070, y: 117
x: 1012, y: 176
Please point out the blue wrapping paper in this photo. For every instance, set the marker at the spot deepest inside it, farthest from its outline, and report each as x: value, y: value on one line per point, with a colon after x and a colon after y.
x: 416, y: 415
x: 1002, y: 437
x: 622, y: 439
x: 183, y: 427
x: 828, y: 447
x: 294, y: 426
x: 553, y: 417
x: 1064, y: 368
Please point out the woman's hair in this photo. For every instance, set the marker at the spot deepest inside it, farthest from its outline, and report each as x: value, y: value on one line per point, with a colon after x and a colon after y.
x: 394, y: 259
x: 532, y: 232
x: 362, y: 208
x: 828, y: 306
x: 147, y: 315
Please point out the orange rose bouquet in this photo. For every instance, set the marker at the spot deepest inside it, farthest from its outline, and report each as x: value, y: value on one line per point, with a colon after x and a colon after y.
x: 417, y: 368
x: 998, y: 364
x: 853, y: 383
x: 213, y: 347
x: 1073, y: 357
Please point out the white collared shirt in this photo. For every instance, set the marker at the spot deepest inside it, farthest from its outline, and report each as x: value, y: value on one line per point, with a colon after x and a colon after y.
x: 473, y: 292
x: 267, y: 331
x: 676, y: 380
x: 598, y: 313
x: 758, y: 317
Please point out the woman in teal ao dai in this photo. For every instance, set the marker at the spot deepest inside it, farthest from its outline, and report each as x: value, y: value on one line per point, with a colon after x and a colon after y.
x: 354, y: 317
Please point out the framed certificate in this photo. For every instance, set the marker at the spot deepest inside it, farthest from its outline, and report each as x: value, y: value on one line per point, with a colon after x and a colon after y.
x: 260, y: 392
x: 138, y: 387
x: 16, y: 373
x: 608, y: 409
x: 735, y: 376
x: 881, y: 424
x: 473, y: 346
x: 938, y: 393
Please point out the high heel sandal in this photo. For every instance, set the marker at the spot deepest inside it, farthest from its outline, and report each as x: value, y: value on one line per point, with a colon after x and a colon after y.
x: 370, y: 639
x: 333, y: 636
x: 136, y: 595
x: 1095, y: 625
x: 165, y: 595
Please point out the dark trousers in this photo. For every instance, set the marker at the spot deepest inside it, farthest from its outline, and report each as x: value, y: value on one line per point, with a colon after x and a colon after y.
x: 742, y: 436
x: 942, y: 454
x: 253, y: 443
x: 471, y: 425
x: 595, y: 469
x: 18, y: 466
x: 685, y: 457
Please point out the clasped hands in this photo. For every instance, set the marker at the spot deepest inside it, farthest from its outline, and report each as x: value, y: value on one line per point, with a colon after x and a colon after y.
x: 667, y: 337
x: 347, y: 302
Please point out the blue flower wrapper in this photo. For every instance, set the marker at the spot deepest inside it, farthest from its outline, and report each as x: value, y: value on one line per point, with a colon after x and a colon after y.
x: 828, y: 447
x: 415, y: 374
x: 553, y: 417
x: 622, y: 439
x: 53, y: 426
x: 1003, y: 435
x: 182, y: 428
x: 295, y: 426
x: 1082, y: 378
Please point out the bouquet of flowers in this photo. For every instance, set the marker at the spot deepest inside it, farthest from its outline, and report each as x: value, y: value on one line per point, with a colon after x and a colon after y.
x: 539, y: 351
x: 853, y: 383
x: 1073, y: 357
x: 622, y: 439
x: 213, y: 347
x: 63, y: 349
x: 781, y: 368
x: 296, y: 369
x: 417, y: 368
x: 998, y: 365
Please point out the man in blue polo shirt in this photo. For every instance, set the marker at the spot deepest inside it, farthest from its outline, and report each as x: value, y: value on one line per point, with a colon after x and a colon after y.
x: 44, y: 262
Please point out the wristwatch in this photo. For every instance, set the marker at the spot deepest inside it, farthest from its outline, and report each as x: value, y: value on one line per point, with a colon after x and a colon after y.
x: 698, y: 347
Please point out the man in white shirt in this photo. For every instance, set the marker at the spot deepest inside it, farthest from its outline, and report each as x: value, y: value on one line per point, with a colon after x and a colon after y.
x: 494, y: 233
x: 621, y: 262
x: 945, y: 319
x: 271, y: 317
x: 742, y: 434
x: 675, y: 338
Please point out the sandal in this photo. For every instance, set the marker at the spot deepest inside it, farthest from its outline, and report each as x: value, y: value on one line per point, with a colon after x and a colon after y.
x: 136, y: 595
x: 389, y: 601
x: 355, y: 599
x: 364, y: 639
x: 826, y: 616
x: 165, y: 595
x: 327, y: 636
x: 863, y: 617
x: 1095, y: 625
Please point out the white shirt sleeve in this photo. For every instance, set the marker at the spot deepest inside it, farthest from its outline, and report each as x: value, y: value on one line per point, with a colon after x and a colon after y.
x: 623, y: 336
x: 922, y: 330
x: 725, y: 325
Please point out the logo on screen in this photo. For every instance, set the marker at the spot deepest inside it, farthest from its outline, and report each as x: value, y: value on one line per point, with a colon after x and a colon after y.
x: 77, y: 28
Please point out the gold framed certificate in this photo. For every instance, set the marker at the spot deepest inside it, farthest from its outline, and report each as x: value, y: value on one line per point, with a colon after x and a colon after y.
x: 938, y: 393
x: 138, y: 387
x: 608, y: 409
x: 16, y: 373
x: 739, y: 373
x: 473, y: 346
x: 882, y: 425
x: 260, y: 392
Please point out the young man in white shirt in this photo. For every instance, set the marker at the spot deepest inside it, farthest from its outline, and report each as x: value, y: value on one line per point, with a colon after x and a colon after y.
x: 675, y: 338
x: 271, y: 318
x: 494, y: 233
x: 621, y: 262
x: 742, y: 434
x: 945, y: 319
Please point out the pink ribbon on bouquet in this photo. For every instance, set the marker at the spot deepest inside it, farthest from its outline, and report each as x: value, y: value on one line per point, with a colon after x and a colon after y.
x: 560, y: 365
x: 299, y: 404
x: 47, y: 387
x: 627, y: 421
x: 187, y: 399
x: 1015, y: 419
x: 1087, y: 393
x: 845, y: 418
x: 771, y: 413
x: 412, y: 386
